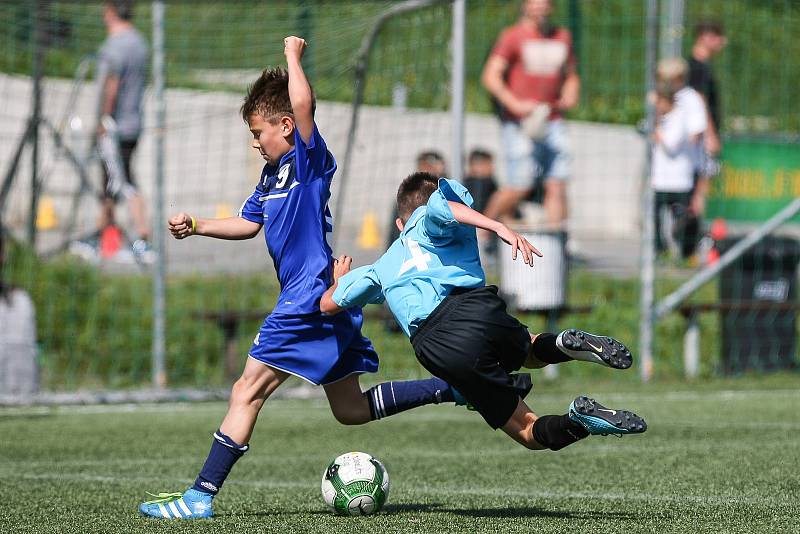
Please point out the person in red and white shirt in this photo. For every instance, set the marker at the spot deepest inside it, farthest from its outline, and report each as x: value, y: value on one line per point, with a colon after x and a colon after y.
x: 532, y: 74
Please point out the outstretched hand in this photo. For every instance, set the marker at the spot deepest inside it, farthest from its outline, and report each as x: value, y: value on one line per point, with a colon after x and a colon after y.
x: 341, y: 266
x: 518, y: 243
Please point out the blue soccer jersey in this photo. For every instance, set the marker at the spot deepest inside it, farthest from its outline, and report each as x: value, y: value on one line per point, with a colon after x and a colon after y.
x: 433, y: 254
x: 291, y: 202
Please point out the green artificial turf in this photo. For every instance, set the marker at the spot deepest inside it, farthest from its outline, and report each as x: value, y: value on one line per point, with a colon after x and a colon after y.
x: 720, y: 456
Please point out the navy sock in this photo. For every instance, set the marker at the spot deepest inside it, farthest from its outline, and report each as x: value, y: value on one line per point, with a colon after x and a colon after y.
x: 557, y: 431
x: 223, y: 454
x: 545, y: 349
x: 390, y: 398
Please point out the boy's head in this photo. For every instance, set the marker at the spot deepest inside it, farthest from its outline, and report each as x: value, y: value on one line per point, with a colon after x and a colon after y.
x: 431, y: 162
x: 267, y: 110
x: 710, y: 34
x: 116, y: 10
x: 480, y: 164
x: 673, y: 71
x: 414, y: 192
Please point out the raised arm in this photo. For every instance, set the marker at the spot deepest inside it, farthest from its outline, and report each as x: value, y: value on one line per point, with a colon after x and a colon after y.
x: 466, y: 215
x: 184, y: 225
x: 299, y: 88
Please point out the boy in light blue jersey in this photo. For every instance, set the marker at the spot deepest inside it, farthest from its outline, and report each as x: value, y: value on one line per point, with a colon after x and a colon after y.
x: 432, y: 280
x: 291, y: 203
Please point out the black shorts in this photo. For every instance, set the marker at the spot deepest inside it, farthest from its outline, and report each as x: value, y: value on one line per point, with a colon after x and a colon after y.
x: 118, y: 191
x: 472, y: 343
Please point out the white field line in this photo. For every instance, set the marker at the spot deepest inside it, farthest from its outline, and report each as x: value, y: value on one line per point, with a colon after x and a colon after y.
x: 289, y: 404
x: 449, y: 490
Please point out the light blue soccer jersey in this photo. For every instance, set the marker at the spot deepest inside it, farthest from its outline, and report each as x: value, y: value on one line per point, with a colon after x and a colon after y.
x: 433, y: 255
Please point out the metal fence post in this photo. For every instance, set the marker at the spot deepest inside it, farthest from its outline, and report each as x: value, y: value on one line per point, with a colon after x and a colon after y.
x: 159, y: 272
x: 457, y: 90
x: 647, y: 267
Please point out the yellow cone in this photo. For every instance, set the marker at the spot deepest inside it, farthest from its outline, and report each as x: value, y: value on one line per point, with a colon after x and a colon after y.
x: 369, y: 237
x: 223, y: 211
x: 46, y: 218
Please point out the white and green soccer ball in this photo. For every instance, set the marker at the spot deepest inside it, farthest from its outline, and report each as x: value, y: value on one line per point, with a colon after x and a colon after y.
x: 355, y: 483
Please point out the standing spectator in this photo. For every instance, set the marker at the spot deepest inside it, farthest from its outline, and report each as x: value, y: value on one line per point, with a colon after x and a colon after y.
x: 19, y: 372
x: 679, y: 152
x: 121, y: 77
x: 672, y: 171
x: 531, y: 72
x: 709, y: 41
x: 479, y: 180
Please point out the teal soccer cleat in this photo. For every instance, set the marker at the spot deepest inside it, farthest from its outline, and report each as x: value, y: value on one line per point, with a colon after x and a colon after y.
x: 192, y: 504
x: 599, y: 420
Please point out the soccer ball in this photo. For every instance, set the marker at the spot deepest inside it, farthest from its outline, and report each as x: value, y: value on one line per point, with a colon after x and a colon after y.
x: 355, y: 483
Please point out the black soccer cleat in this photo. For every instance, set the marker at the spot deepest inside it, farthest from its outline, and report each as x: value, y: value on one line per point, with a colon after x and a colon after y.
x: 580, y: 345
x: 602, y: 421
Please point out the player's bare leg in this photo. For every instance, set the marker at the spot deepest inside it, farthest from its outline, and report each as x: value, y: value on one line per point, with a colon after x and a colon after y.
x: 352, y: 406
x: 230, y: 442
x: 257, y: 383
x: 520, y: 426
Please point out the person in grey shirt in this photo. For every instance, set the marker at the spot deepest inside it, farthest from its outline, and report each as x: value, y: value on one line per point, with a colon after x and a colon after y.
x: 122, y: 75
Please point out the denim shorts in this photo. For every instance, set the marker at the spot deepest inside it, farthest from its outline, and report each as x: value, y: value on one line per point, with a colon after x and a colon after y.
x: 528, y: 161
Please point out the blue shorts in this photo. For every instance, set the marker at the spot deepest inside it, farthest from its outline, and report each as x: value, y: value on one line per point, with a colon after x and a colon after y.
x: 528, y: 161
x: 318, y: 348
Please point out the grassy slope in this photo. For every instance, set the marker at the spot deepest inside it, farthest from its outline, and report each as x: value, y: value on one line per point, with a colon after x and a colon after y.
x: 414, y: 48
x: 713, y: 461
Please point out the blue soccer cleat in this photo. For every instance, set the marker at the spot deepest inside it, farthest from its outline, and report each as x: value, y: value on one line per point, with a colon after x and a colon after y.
x: 192, y: 504
x: 580, y: 345
x: 602, y: 421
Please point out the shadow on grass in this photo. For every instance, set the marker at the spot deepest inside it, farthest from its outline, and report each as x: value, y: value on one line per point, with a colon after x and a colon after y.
x: 532, y: 511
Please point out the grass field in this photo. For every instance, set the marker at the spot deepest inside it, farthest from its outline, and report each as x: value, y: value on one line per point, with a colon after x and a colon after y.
x: 721, y: 457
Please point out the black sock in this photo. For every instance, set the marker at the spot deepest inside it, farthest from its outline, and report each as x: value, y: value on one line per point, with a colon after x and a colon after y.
x: 557, y: 431
x: 545, y: 349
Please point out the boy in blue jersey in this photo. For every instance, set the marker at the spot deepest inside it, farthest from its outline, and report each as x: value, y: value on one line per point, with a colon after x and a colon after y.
x: 290, y: 203
x: 432, y: 279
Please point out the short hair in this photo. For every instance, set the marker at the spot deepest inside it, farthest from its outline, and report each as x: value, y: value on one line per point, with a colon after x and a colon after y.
x: 708, y: 26
x: 269, y: 96
x: 479, y: 154
x: 429, y: 156
x: 415, y: 191
x: 672, y: 68
x: 123, y: 8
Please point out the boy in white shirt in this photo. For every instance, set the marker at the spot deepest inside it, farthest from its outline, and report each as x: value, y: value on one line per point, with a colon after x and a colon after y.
x: 677, y: 155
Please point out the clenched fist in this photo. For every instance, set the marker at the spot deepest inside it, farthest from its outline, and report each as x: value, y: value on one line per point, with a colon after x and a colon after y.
x: 294, y: 46
x: 180, y: 225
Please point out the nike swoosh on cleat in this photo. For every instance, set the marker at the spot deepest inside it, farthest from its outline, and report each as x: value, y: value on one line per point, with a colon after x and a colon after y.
x: 612, y: 412
x: 598, y: 349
